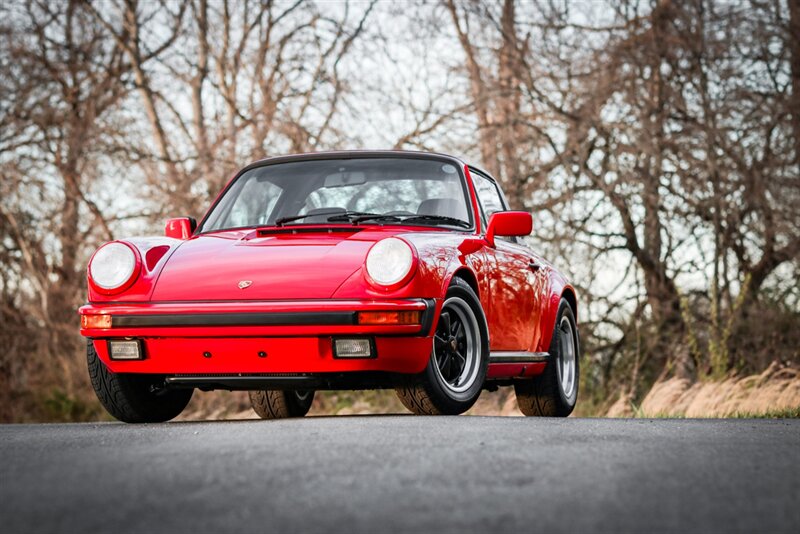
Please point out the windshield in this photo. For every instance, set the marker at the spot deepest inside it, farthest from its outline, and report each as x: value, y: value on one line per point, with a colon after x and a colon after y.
x: 361, y: 191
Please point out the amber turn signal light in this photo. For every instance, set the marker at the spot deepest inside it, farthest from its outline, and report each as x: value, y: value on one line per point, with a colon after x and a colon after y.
x: 390, y: 317
x: 95, y: 321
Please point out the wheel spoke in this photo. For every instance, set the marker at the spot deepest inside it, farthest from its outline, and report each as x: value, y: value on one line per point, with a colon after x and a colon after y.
x: 447, y: 366
x: 455, y: 341
x: 445, y: 318
x: 461, y: 364
x: 459, y: 329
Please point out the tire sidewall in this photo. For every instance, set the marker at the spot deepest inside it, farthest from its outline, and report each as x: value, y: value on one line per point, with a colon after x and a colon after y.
x: 299, y: 407
x: 128, y: 397
x: 564, y: 309
x: 444, y: 398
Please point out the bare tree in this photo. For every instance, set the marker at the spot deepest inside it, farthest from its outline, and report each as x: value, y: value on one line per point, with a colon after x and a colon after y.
x: 656, y: 139
x: 658, y: 145
x: 63, y: 82
x: 260, y: 77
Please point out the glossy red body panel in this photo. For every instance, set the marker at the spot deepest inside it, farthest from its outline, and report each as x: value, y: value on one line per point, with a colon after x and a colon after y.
x: 275, y: 264
x: 516, y: 370
x: 309, y: 354
x: 321, y: 269
x: 474, y: 199
x: 555, y: 285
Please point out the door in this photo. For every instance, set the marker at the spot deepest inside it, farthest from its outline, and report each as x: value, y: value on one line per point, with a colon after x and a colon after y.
x: 513, y: 311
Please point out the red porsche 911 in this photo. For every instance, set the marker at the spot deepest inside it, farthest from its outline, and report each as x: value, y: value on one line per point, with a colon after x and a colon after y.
x: 340, y: 270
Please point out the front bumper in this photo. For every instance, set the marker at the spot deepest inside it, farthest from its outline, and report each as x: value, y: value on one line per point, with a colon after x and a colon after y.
x: 202, y: 338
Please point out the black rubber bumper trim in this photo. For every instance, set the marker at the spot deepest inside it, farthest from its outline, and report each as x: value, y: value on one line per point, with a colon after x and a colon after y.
x: 427, y: 316
x: 243, y: 382
x: 336, y: 318
x: 352, y: 380
x: 237, y: 319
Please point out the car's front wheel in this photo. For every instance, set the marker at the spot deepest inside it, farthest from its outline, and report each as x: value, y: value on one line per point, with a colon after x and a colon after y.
x: 134, y: 398
x: 278, y: 404
x: 555, y: 391
x: 454, y: 377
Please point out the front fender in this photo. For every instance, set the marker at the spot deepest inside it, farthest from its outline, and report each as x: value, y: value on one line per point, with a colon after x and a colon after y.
x: 154, y: 251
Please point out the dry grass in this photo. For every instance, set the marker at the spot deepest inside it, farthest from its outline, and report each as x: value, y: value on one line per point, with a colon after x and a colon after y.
x: 773, y: 393
x: 216, y: 405
x: 206, y: 406
x: 775, y: 390
x: 501, y: 402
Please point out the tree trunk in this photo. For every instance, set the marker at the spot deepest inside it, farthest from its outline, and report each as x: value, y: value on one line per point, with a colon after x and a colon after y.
x: 794, y: 45
x: 508, y: 106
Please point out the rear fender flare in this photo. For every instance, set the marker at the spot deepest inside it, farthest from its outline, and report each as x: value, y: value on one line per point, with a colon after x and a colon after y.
x: 560, y: 289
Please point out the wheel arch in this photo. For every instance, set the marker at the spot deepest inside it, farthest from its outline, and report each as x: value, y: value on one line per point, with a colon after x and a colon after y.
x: 465, y: 273
x: 468, y: 276
x: 568, y: 294
x: 561, y: 290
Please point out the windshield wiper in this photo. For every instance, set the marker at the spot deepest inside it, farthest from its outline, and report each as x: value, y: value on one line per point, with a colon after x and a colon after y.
x: 356, y: 217
x: 284, y: 220
x: 438, y: 218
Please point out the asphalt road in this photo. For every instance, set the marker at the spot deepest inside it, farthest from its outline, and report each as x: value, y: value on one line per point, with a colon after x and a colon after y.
x: 403, y: 473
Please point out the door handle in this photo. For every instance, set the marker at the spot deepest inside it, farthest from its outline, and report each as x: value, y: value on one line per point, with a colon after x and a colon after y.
x: 534, y: 265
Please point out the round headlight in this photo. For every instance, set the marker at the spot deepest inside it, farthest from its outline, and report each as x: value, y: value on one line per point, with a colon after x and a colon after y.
x: 112, y: 265
x: 389, y: 261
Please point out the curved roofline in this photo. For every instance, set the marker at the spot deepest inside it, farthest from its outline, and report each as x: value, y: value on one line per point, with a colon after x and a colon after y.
x: 350, y: 154
x: 483, y: 171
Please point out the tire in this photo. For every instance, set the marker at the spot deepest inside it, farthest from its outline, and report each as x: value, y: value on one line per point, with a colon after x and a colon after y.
x: 549, y: 394
x: 277, y: 404
x: 456, y: 370
x: 131, y: 398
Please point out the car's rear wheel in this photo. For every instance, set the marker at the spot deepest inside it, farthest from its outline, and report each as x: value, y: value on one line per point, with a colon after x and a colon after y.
x: 555, y: 392
x: 279, y: 404
x: 456, y: 371
x: 134, y: 398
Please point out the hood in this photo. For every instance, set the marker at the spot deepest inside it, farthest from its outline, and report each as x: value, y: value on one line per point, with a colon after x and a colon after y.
x: 271, y: 266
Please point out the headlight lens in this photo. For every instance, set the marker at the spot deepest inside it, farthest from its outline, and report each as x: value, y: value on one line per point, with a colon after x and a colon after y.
x: 112, y: 265
x: 389, y: 261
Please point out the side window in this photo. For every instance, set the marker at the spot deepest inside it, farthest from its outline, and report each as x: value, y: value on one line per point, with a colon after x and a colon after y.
x: 490, y: 199
x: 488, y: 195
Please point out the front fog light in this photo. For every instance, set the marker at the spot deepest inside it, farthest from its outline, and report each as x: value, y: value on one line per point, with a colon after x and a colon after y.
x: 126, y: 350
x: 352, y: 348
